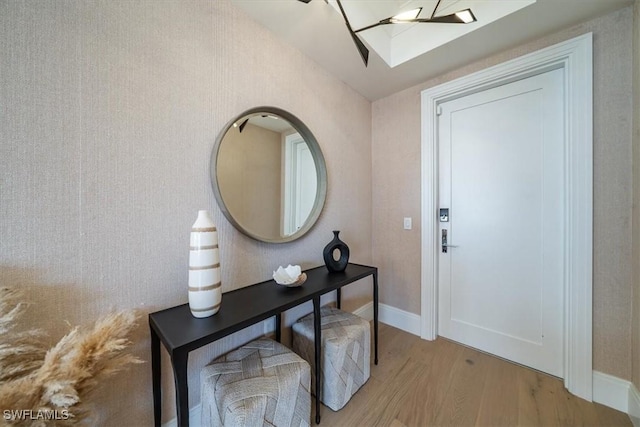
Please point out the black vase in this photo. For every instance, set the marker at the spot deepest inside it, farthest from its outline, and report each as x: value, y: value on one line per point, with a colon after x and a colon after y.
x: 332, y: 264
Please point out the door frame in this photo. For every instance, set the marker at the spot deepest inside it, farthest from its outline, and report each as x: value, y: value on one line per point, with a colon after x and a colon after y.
x: 574, y: 56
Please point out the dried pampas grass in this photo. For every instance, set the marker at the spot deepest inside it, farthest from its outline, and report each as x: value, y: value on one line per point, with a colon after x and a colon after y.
x: 49, y: 388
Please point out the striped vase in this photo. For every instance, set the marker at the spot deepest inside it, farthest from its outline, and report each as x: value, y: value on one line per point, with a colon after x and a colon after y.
x: 205, y: 287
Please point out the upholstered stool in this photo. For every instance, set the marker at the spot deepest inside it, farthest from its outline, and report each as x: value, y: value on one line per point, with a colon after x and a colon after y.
x: 260, y: 383
x: 346, y: 350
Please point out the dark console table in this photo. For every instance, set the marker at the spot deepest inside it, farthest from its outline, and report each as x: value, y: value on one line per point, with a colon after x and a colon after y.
x: 181, y: 333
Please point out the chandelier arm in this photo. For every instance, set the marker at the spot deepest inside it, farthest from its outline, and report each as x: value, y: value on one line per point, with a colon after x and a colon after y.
x: 377, y: 24
x: 344, y: 15
x: 435, y: 9
x: 362, y: 49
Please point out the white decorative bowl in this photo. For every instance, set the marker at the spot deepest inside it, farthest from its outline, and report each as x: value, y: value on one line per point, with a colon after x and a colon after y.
x: 291, y: 276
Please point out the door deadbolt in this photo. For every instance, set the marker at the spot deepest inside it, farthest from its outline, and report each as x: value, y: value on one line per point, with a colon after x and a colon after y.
x: 444, y: 215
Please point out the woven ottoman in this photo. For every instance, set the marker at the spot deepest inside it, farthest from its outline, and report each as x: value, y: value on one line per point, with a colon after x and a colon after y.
x: 345, y: 355
x: 261, y: 383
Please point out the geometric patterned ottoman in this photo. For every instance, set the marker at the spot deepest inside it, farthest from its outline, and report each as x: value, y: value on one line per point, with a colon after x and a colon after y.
x: 345, y: 353
x: 261, y: 383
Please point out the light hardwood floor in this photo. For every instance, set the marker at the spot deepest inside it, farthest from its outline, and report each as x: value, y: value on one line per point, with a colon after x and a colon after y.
x: 441, y: 383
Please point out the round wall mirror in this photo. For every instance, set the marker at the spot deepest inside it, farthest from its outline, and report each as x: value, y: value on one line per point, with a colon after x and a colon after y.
x: 268, y: 175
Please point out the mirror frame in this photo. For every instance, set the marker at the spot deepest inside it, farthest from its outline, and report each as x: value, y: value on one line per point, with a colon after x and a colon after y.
x: 318, y: 159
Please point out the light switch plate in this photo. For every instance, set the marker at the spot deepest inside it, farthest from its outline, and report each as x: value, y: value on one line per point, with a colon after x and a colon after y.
x: 407, y: 223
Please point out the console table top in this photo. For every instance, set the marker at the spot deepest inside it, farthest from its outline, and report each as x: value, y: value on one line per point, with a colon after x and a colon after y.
x: 179, y: 330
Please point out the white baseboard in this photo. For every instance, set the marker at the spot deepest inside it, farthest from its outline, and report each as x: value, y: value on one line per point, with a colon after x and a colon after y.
x: 194, y: 418
x: 634, y: 405
x: 366, y: 311
x: 408, y: 322
x: 616, y: 393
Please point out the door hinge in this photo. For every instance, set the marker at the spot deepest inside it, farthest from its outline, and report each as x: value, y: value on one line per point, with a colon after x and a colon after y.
x: 438, y: 110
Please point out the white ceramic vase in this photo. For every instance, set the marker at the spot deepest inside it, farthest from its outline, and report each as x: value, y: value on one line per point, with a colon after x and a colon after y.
x: 205, y: 287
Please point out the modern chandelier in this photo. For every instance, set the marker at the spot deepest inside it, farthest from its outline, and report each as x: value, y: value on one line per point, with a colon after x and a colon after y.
x: 464, y: 16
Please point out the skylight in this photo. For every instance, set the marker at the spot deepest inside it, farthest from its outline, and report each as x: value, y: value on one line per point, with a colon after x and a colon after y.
x: 397, y: 44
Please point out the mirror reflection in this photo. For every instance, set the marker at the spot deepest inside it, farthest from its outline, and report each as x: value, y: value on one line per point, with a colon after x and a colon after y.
x: 268, y: 175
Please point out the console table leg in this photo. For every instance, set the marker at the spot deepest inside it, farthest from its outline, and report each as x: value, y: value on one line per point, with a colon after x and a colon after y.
x: 375, y: 316
x: 278, y: 327
x: 155, y: 378
x: 338, y: 298
x: 179, y: 362
x: 318, y: 347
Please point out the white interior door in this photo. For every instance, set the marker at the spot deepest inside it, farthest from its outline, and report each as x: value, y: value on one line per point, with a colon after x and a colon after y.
x: 300, y: 183
x: 501, y: 175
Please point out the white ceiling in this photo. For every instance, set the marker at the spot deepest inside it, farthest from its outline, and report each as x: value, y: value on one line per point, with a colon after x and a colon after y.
x: 318, y: 30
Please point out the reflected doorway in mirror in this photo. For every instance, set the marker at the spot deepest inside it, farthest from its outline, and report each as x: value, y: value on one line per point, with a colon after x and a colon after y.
x: 300, y: 183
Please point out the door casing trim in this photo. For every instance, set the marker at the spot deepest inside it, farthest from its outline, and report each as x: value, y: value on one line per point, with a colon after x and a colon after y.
x: 575, y: 58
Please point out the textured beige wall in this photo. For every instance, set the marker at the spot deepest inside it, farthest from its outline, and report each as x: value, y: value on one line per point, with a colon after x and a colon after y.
x: 635, y: 357
x: 396, y: 186
x: 250, y: 177
x: 108, y: 114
